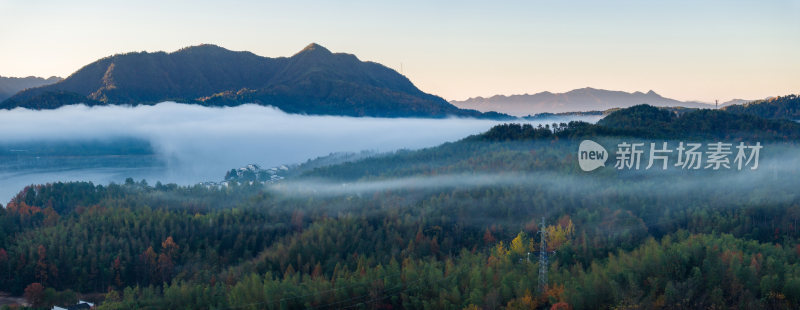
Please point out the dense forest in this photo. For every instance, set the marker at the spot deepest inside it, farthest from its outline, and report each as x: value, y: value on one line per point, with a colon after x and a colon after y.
x: 782, y: 107
x: 457, y: 226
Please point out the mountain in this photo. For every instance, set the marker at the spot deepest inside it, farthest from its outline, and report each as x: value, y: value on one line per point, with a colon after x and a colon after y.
x: 313, y: 81
x: 784, y: 107
x: 11, y: 85
x: 734, y: 102
x: 646, y: 121
x: 584, y: 99
x: 700, y: 123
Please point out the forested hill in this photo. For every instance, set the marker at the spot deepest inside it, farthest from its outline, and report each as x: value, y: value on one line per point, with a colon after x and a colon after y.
x: 783, y: 107
x: 544, y: 148
x: 646, y: 121
x: 11, y: 85
x: 448, y: 227
x: 313, y: 81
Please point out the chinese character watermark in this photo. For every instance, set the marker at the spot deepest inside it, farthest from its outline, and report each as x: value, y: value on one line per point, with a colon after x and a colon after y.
x: 687, y: 156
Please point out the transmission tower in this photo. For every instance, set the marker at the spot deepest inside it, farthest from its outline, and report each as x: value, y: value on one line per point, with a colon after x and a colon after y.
x: 543, y: 261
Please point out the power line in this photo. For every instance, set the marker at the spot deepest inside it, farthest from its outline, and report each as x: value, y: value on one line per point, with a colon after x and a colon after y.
x: 543, y: 260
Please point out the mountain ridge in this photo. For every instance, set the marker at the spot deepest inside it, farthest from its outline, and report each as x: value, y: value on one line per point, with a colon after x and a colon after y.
x: 12, y: 85
x: 312, y: 81
x: 576, y: 100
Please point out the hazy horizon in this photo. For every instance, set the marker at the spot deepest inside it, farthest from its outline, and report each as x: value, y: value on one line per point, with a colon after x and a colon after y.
x: 704, y: 51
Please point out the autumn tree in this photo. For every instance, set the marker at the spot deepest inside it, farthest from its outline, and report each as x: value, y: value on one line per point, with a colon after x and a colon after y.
x: 149, y: 260
x: 170, y: 248
x: 34, y: 293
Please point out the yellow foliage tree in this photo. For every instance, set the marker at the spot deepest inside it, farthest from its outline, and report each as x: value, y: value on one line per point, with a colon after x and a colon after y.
x: 525, y: 302
x: 558, y: 234
x: 521, y: 244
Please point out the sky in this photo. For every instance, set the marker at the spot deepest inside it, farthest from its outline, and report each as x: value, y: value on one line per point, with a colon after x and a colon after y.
x: 686, y: 50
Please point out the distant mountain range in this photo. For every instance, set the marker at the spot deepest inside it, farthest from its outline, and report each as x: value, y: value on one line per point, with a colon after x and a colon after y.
x: 313, y: 81
x: 584, y: 99
x: 12, y: 85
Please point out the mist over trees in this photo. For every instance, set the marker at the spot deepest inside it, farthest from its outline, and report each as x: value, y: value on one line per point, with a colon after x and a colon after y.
x: 362, y: 234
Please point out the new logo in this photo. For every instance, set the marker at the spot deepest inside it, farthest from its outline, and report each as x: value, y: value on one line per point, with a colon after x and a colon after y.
x: 591, y: 155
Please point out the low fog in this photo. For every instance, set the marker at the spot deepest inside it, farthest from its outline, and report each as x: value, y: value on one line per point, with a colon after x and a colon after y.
x: 770, y: 177
x: 198, y: 143
x: 772, y: 184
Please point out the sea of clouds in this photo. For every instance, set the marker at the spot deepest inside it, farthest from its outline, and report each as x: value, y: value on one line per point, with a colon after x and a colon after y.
x: 199, y: 143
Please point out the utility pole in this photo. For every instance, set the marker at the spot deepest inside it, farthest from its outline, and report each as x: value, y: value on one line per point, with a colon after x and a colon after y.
x: 543, y: 261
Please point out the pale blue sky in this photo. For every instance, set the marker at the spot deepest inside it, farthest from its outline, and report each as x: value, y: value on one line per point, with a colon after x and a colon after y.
x: 698, y: 50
